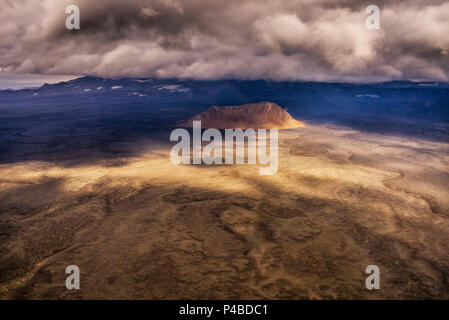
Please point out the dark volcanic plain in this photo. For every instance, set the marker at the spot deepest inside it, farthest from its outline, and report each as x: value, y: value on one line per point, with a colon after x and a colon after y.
x: 140, y: 227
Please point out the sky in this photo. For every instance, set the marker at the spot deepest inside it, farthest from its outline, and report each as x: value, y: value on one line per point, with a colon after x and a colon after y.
x: 20, y: 81
x: 280, y: 40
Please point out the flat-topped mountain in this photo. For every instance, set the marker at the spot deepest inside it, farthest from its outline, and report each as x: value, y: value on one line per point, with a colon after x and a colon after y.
x: 263, y: 115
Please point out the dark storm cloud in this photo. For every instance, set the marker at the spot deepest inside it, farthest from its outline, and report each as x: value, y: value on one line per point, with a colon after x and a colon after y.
x: 320, y: 40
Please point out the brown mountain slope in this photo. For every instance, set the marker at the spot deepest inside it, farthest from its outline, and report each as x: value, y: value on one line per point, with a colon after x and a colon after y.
x: 263, y: 115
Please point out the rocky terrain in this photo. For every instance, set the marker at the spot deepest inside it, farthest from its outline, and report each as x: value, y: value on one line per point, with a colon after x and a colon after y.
x: 140, y: 227
x: 263, y: 115
x: 86, y: 179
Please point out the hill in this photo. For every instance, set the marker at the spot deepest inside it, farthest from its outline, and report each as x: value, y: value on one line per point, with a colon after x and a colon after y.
x: 264, y: 115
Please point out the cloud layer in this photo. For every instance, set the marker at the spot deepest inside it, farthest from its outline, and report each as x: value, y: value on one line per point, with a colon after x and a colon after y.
x: 318, y: 40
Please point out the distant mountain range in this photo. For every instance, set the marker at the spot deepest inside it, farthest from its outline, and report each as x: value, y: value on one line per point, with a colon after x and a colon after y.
x: 401, y: 107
